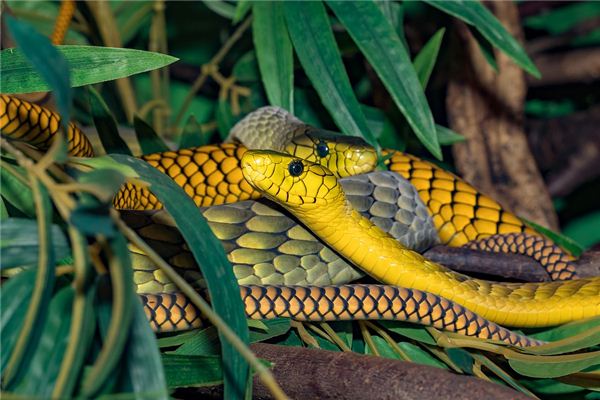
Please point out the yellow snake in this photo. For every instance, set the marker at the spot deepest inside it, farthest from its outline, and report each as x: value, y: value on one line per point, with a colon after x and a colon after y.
x: 313, y: 195
x: 14, y: 110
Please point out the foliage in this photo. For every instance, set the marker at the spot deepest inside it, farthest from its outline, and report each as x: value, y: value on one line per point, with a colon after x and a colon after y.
x: 81, y: 331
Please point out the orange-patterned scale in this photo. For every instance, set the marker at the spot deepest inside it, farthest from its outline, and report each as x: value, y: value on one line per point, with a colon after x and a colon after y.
x: 210, y: 175
x: 460, y: 213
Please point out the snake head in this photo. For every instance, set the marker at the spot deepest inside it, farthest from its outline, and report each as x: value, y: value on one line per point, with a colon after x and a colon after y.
x: 342, y: 155
x: 290, y: 181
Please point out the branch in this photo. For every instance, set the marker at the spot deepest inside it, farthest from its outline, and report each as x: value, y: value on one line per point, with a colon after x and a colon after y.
x: 321, y: 374
x: 487, y: 108
x: 567, y: 67
x: 494, y: 265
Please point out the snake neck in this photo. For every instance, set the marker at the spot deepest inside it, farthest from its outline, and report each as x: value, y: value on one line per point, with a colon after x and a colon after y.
x: 527, y: 305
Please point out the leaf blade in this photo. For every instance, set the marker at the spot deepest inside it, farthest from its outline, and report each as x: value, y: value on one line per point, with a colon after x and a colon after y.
x: 382, y: 47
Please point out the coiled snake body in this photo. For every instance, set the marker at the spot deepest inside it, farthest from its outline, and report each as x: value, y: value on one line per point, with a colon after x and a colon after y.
x: 321, y: 303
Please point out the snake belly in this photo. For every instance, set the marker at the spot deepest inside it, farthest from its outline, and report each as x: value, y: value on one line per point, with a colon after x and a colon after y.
x: 266, y: 246
x: 315, y: 197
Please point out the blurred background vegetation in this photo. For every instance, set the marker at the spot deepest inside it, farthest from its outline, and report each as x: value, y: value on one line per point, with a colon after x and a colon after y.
x: 389, y: 83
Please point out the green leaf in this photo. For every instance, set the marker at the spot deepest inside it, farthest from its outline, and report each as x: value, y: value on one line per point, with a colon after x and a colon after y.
x: 192, y: 135
x: 204, y: 342
x: 500, y: 373
x: 37, y: 310
x: 149, y: 141
x: 577, y: 338
x: 274, y: 53
x: 275, y: 327
x: 584, y: 230
x: 474, y: 13
x: 45, y: 364
x: 552, y: 366
x: 20, y: 242
x: 225, y: 118
x: 3, y: 210
x: 39, y: 57
x: 561, y: 240
x: 210, y: 256
x: 246, y: 68
x: 310, y: 31
x: 107, y: 182
x: 106, y: 125
x: 142, y: 362
x: 241, y: 9
x: 567, y: 330
x: 220, y: 7
x: 184, y: 370
x: 425, y: 60
x: 486, y: 49
x: 14, y: 300
x: 117, y: 331
x: 88, y: 65
x: 410, y: 331
x: 380, y: 44
x: 565, y: 18
x: 16, y: 191
x: 448, y: 136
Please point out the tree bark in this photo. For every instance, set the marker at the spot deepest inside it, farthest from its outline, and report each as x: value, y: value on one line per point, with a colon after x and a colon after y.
x: 320, y: 374
x: 487, y: 108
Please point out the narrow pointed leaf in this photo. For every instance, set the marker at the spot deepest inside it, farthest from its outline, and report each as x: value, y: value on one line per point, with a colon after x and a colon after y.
x: 149, y: 141
x: 274, y: 53
x: 309, y: 28
x: 211, y: 258
x: 41, y: 59
x: 425, y: 60
x: 380, y: 44
x: 474, y: 13
x: 87, y: 64
x: 106, y: 125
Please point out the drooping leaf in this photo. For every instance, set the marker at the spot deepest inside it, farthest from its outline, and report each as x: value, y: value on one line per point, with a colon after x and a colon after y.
x: 87, y: 64
x: 474, y: 13
x: 380, y: 44
x: 311, y: 34
x: 41, y: 376
x: 562, y: 19
x: 274, y: 53
x: 185, y: 370
x: 447, y: 136
x: 242, y: 8
x: 224, y: 9
x: 149, y: 141
x: 14, y: 300
x: 16, y: 190
x: 20, y: 243
x: 37, y: 309
x: 552, y: 366
x: 210, y: 256
x: 38, y: 57
x: 106, y: 125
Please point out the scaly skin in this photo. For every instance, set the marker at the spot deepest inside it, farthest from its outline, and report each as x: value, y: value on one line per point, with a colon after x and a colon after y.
x: 28, y: 122
x: 462, y: 215
x: 211, y: 174
x: 268, y: 247
x: 315, y: 197
x: 336, y: 303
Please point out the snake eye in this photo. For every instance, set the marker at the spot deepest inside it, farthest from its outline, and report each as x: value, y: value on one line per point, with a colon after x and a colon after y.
x: 295, y: 167
x: 322, y: 149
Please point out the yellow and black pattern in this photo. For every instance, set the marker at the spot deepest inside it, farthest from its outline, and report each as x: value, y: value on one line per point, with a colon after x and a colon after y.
x: 210, y: 175
x: 167, y: 312
x: 558, y: 264
x: 313, y: 195
x: 30, y: 123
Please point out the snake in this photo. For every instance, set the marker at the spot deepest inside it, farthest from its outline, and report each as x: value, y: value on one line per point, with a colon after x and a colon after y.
x: 280, y: 307
x: 314, y: 196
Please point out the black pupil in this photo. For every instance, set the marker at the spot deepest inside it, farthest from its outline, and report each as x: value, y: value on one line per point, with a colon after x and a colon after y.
x: 295, y: 167
x: 322, y: 149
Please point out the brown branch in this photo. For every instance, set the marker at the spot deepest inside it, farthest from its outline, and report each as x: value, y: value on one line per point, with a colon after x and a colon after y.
x: 567, y: 148
x: 321, y: 374
x: 567, y: 67
x: 588, y: 264
x: 487, y: 108
x: 511, y: 266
